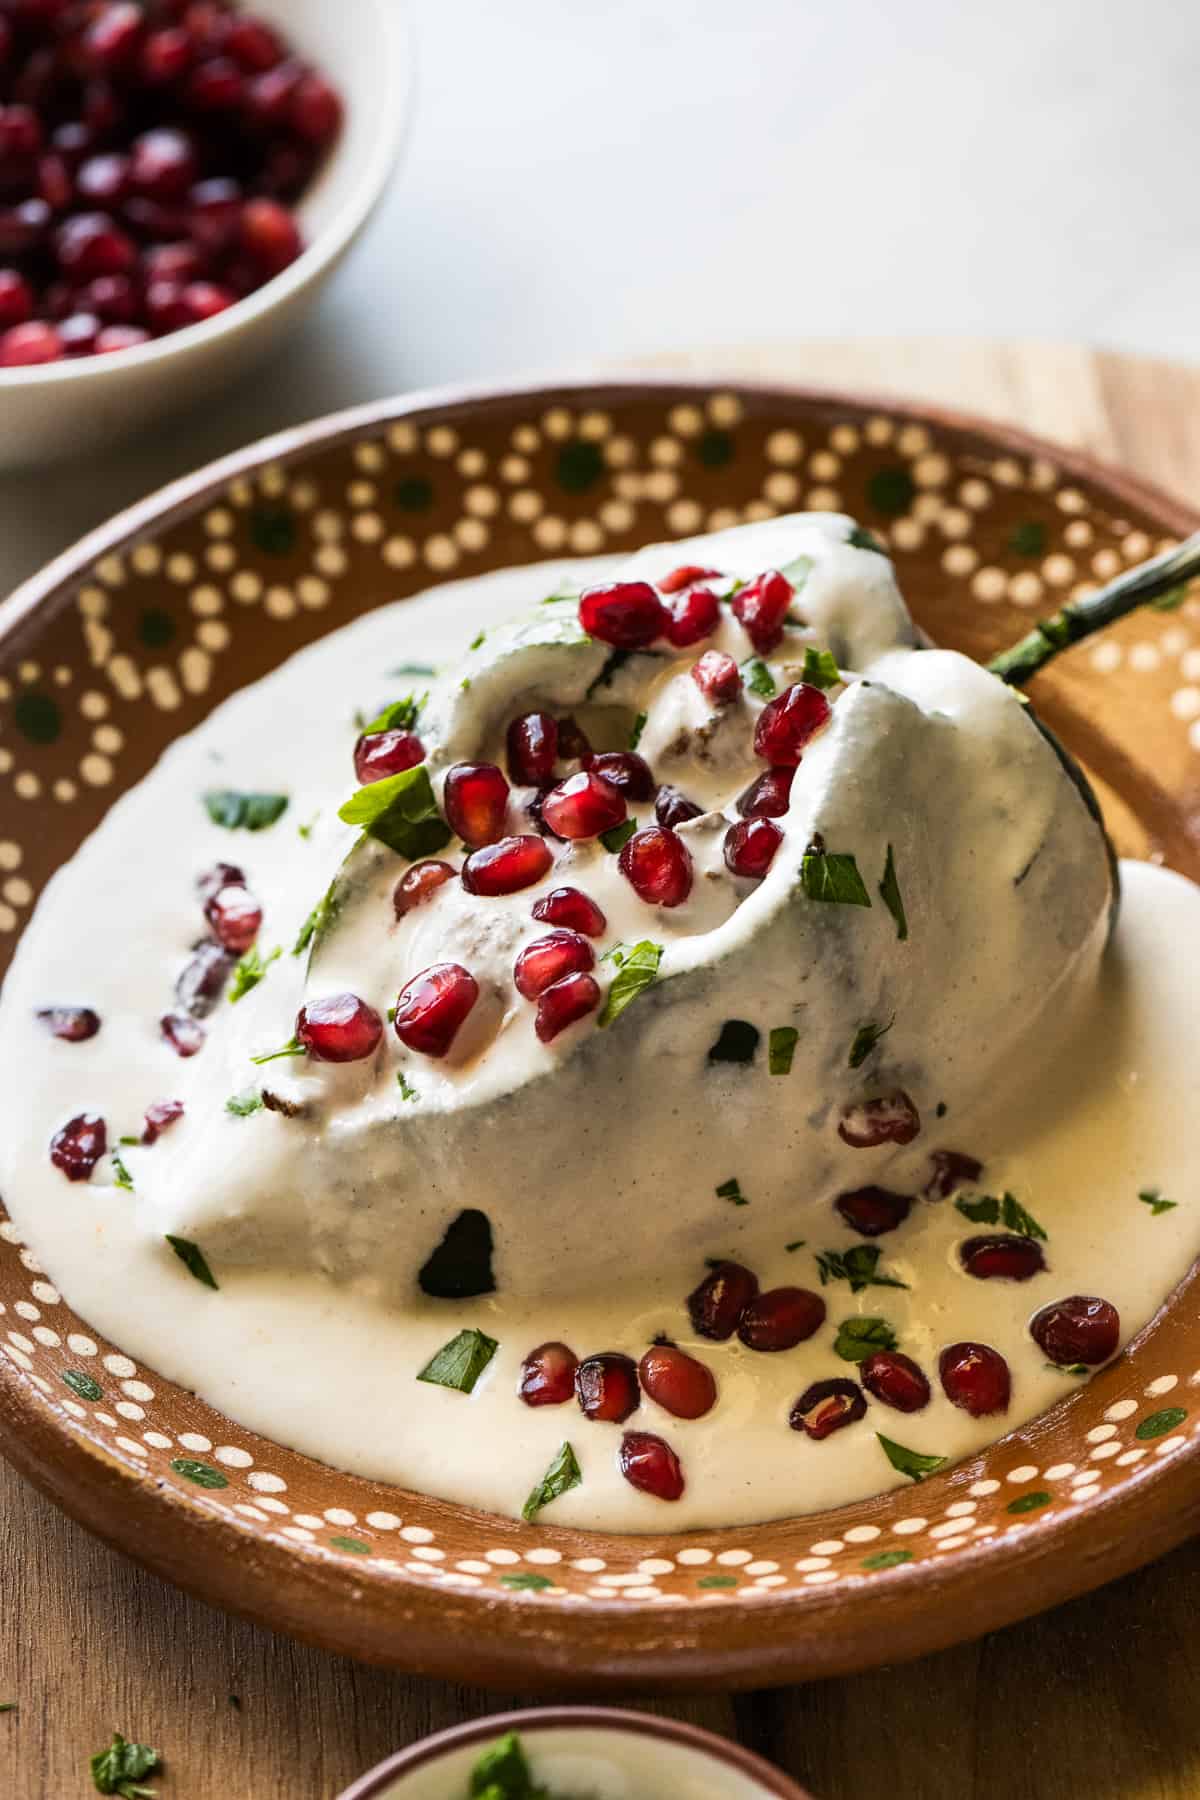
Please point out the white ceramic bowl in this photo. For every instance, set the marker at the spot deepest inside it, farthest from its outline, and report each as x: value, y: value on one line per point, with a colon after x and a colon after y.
x: 68, y: 408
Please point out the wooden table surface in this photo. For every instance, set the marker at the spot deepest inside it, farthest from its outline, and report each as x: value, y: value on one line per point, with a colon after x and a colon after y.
x: 1099, y: 1699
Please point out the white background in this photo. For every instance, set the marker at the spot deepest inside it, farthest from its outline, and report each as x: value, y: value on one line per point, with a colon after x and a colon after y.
x: 591, y: 179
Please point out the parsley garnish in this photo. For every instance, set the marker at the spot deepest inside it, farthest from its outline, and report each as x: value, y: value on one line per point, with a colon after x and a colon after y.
x: 401, y: 812
x: 249, y: 970
x: 618, y: 835
x: 862, y: 539
x: 825, y: 875
x: 502, y: 1772
x: 639, y: 725
x: 798, y: 1244
x: 737, y: 1042
x: 401, y: 715
x: 865, y: 1040
x: 120, y: 1768
x: 637, y: 969
x: 461, y: 1362
x: 413, y: 669
x: 306, y: 831
x: 759, y: 678
x: 477, y: 640
x: 407, y: 1091
x: 910, y: 1462
x: 859, y: 1338
x: 242, y: 1105
x: 319, y: 919
x: 192, y: 1258
x: 729, y: 1190
x: 781, y: 1048
x: 1152, y: 1198
x: 8, y: 1706
x: 820, y: 668
x: 292, y: 1048
x: 857, y: 1266
x: 562, y: 1475
x: 889, y: 893
x: 121, y: 1174
x: 244, y: 812
x: 985, y: 1209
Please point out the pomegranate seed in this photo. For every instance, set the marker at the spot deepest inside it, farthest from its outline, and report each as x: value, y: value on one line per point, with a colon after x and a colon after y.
x: 678, y: 1382
x: 121, y: 337
x: 253, y: 44
x: 112, y: 39
x: 569, y: 907
x: 788, y: 723
x: 381, y: 753
x: 827, y: 1406
x: 159, y: 1116
x: 873, y: 1210
x: 339, y: 1029
x: 16, y: 299
x: 216, y: 85
x: 888, y: 1119
x: 155, y: 219
x: 657, y: 865
x: 583, y: 806
x: 55, y: 183
x: 25, y: 346
x: 649, y: 1464
x: 716, y: 1306
x: 694, y: 617
x: 162, y: 164
x: 113, y: 298
x: 951, y: 1171
x: 20, y: 133
x: 750, y: 847
x: 77, y: 1146
x: 975, y: 1377
x: 431, y: 1008
x: 90, y: 244
x: 79, y: 333
x: 895, y: 1379
x: 269, y: 235
x: 215, y: 214
x: 24, y: 227
x: 1079, y: 1329
x: 718, y: 677
x: 629, y: 773
x: 166, y: 55
x: 419, y: 884
x: 474, y: 801
x: 626, y: 614
x: 548, y: 1375
x: 102, y: 110
x: 761, y: 608
x: 573, y: 742
x: 102, y: 180
x: 532, y: 745
x: 549, y: 959
x: 269, y: 97
x: 565, y: 1003
x: 202, y: 981
x: 185, y: 1035
x: 606, y: 1387
x: 1001, y: 1258
x: 165, y: 309
x: 506, y: 867
x: 221, y: 875
x: 73, y: 141
x: 769, y: 796
x: 316, y: 110
x: 781, y: 1318
x: 205, y: 299
x: 672, y: 808
x: 74, y: 1024
x: 685, y: 576
x: 235, y: 917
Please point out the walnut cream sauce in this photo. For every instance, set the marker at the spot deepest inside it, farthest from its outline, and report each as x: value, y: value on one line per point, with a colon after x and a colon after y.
x: 613, y: 1159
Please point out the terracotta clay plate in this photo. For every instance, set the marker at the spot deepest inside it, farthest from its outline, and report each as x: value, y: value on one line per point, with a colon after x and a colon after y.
x: 131, y: 638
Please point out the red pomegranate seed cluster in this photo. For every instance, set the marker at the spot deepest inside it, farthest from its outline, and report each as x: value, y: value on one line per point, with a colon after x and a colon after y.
x: 381, y: 753
x: 149, y: 157
x: 74, y: 1024
x: 234, y: 918
x: 339, y: 1028
x: 77, y: 1146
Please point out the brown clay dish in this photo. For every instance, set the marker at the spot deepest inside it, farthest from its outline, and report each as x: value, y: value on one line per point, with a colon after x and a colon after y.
x: 133, y: 636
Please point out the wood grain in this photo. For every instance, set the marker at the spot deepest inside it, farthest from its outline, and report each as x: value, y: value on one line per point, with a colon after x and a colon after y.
x: 1097, y: 1698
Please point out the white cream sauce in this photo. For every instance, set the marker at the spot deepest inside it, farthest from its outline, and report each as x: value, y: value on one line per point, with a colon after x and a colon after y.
x: 1076, y: 1092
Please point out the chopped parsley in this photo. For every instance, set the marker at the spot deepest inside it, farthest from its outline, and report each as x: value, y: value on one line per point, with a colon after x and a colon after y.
x: 413, y: 669
x: 985, y: 1209
x: 857, y: 1266
x: 758, y: 678
x: 477, y: 640
x: 292, y: 1048
x: 120, y: 1768
x: 797, y: 1244
x: 242, y: 1105
x: 1152, y: 1198
x: 306, y: 831
x: 826, y: 875
x: 889, y: 893
x: 618, y: 835
x: 401, y: 812
x: 319, y: 920
x: 249, y: 970
x: 562, y: 1475
x: 121, y: 1175
x: 910, y: 1462
x: 637, y: 969
x: 729, y: 1190
x: 613, y: 663
x: 862, y: 539
x: 461, y: 1362
x: 407, y: 1091
x: 193, y: 1260
x: 736, y: 1043
x: 401, y: 715
x: 781, y: 1048
x: 8, y: 1706
x: 865, y: 1040
x: 639, y: 725
x: 860, y: 1337
x: 244, y: 812
x: 820, y: 668
x: 502, y: 1772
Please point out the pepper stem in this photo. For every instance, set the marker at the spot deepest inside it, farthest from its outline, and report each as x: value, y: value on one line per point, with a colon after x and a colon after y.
x: 1153, y: 580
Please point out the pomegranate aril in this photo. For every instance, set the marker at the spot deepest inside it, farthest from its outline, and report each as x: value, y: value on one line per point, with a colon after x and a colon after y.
x: 24, y: 227
x: 381, y: 753
x: 572, y: 909
x: 873, y: 1210
x: 549, y: 959
x: 583, y: 806
x: 113, y: 298
x: 677, y: 1382
x: 685, y: 576
x: 532, y: 748
x: 221, y: 875
x: 717, y: 1305
x: 629, y: 773
x: 672, y: 808
x: 769, y: 796
x: 216, y: 85
x: 56, y: 185
x: 606, y: 1387
x: 204, y: 300
x: 895, y: 1379
x: 788, y: 723
x: 761, y: 608
x: 951, y: 1170
x: 781, y: 1318
x: 20, y: 133
x: 235, y: 916
x: 474, y: 800
x: 718, y: 677
x: 658, y: 866
x: 506, y: 866
x: 269, y: 235
x: 886, y: 1119
x: 26, y: 346
x: 121, y: 337
x: 565, y: 1003
x: 828, y: 1406
x: 74, y: 1024
x: 91, y: 244
x: 315, y: 112
x: 976, y: 1378
x: 1080, y: 1329
x: 433, y: 1006
x: 162, y: 164
x: 574, y: 744
x: 341, y: 1028
x: 419, y: 884
x: 1001, y: 1258
x: 693, y: 618
x: 165, y: 56
x: 184, y: 1034
x: 627, y: 614
x: 165, y: 309
x: 649, y: 1464
x: 159, y: 1115
x: 77, y: 1146
x: 548, y: 1375
x: 112, y: 39
x: 750, y: 847
x: 16, y: 299
x: 78, y: 334
x: 102, y: 180
x: 202, y: 981
x: 252, y: 43
x: 215, y: 214
x: 269, y: 95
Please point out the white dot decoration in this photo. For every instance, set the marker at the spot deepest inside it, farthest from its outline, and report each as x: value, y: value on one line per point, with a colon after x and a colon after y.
x: 263, y: 1482
x: 1025, y: 1472
x: 1163, y: 1384
x: 862, y: 1534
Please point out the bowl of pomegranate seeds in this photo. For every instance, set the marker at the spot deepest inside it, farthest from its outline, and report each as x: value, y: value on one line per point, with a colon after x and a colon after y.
x: 571, y: 1038
x: 178, y: 179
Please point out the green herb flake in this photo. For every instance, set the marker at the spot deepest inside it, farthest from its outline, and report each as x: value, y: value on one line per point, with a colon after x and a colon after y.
x: 737, y: 1042
x: 862, y: 539
x: 407, y: 1091
x: 121, y: 1175
x: 758, y: 678
x: 237, y: 811
x: 820, y: 668
x: 859, y: 1338
x: 319, y: 920
x: 8, y: 1706
x: 781, y: 1048
x: 1027, y: 538
x: 242, y: 1105
x: 401, y: 812
x: 562, y: 1475
x: 891, y: 491
x: 526, y: 1584
x: 306, y: 831
x: 889, y: 893
x: 637, y: 969
x: 834, y: 878
x: 202, y: 1473
x: 797, y: 1244
x: 1152, y: 1198
x: 617, y: 836
x: 292, y: 1048
x: 1028, y: 1503
x: 1067, y: 1368
x: 1158, y: 1424
x: 477, y: 641
x: 192, y: 1258
x: 717, y: 1581
x: 729, y: 1190
x: 461, y: 1362
x: 82, y: 1384
x: 502, y: 1772
x: 985, y: 1209
x: 120, y: 1768
x: 865, y: 1040
x: 857, y: 1265
x: 1172, y: 600
x: 355, y: 1546
x: 910, y: 1462
x: 639, y: 725
x: 887, y: 1559
x: 129, y: 1139
x: 249, y: 970
x: 400, y: 715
